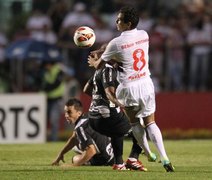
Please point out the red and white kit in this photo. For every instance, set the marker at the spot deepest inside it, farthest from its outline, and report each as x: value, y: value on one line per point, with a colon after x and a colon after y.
x: 130, y: 49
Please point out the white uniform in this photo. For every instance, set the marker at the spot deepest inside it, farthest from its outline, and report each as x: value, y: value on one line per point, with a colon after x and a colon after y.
x: 136, y: 87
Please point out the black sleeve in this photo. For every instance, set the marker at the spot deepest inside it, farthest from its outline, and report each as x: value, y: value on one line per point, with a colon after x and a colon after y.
x: 83, y: 137
x: 109, y: 77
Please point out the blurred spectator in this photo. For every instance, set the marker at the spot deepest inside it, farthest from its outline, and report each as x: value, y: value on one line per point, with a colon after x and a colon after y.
x: 105, y: 6
x: 72, y: 86
x: 78, y: 17
x: 145, y: 22
x: 54, y: 86
x: 77, y: 57
x: 162, y: 25
x: 175, y: 56
x: 32, y: 75
x: 4, y: 85
x: 3, y: 43
x: 156, y: 53
x: 57, y: 13
x: 103, y: 33
x: 64, y: 16
x: 207, y: 18
x: 42, y: 5
x: 200, y: 41
x: 39, y: 26
x: 193, y: 6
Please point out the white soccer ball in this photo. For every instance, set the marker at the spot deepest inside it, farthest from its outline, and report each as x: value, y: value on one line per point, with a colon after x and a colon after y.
x: 84, y: 37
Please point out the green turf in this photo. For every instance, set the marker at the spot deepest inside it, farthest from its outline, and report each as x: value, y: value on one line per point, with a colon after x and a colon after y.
x: 192, y: 160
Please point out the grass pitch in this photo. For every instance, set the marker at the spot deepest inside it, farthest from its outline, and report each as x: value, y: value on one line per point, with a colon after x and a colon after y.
x: 192, y: 160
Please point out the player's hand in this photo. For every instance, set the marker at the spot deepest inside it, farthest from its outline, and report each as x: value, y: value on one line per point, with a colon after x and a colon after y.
x: 96, y: 53
x: 92, y: 59
x: 56, y: 162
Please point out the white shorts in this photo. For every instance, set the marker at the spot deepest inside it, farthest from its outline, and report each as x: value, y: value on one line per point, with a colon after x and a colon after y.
x: 138, y: 93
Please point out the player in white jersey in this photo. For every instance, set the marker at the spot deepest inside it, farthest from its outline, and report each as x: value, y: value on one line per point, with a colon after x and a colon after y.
x: 136, y: 90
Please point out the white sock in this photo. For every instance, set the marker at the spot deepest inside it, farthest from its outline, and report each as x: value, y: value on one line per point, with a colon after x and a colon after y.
x: 156, y: 137
x: 140, y: 135
x: 132, y: 159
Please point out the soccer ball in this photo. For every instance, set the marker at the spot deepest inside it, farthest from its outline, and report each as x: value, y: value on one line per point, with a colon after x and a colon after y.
x: 84, y: 37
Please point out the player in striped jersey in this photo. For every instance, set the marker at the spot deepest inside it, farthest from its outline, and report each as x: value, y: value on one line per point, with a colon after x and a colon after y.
x: 135, y: 92
x: 106, y: 117
x: 95, y: 149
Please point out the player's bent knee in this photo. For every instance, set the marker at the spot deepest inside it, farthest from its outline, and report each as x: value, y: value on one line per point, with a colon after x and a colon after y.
x: 76, y: 159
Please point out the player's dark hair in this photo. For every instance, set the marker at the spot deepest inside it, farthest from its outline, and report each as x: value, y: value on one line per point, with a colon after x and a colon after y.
x: 76, y: 103
x: 130, y: 15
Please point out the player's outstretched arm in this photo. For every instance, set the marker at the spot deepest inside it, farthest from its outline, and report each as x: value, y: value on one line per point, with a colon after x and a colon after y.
x: 72, y: 141
x: 59, y: 158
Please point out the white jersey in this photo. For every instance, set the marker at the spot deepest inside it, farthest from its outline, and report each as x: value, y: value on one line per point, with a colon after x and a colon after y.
x: 131, y: 50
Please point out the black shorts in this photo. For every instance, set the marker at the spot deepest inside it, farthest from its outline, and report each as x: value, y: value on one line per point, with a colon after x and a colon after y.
x: 117, y: 125
x: 100, y: 162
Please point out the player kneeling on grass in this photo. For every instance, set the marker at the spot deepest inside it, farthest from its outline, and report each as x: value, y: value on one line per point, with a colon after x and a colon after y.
x: 94, y: 148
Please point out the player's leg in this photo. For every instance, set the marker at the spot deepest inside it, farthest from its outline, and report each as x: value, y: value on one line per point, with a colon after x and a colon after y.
x: 117, y: 144
x: 115, y: 129
x: 136, y: 149
x: 133, y: 159
x: 76, y: 159
x: 147, y: 109
x: 156, y: 137
x: 139, y: 132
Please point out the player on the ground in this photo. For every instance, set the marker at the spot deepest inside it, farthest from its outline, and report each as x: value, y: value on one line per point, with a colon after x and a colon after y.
x: 135, y: 91
x: 95, y: 148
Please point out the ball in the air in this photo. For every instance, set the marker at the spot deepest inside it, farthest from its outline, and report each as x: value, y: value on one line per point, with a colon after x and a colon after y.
x: 84, y: 37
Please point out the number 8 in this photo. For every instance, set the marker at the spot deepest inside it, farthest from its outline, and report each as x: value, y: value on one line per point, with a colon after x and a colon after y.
x: 138, y: 56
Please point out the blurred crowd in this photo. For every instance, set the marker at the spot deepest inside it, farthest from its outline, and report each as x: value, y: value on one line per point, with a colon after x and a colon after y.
x: 180, y: 34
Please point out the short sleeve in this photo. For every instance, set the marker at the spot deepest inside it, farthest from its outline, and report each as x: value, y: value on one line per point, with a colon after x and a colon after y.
x: 110, y: 51
x: 108, y: 77
x: 84, y: 138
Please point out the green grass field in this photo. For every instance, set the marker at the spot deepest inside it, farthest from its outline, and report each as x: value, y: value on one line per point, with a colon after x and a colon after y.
x: 192, y: 160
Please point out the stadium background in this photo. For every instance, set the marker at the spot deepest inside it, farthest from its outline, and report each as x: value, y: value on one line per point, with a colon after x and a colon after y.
x: 182, y: 111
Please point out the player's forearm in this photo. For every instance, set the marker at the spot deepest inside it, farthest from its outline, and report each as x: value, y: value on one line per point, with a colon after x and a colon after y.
x: 114, y: 100
x: 110, y: 93
x: 89, y: 153
x: 72, y: 141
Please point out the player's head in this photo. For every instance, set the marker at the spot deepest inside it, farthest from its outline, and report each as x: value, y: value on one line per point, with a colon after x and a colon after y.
x: 127, y: 19
x: 73, y: 110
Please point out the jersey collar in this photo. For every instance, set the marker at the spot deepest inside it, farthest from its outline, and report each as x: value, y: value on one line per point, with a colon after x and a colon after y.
x: 129, y: 32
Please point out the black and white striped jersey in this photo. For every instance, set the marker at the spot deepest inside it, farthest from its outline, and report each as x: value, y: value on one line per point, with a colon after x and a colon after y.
x: 100, y: 105
x: 87, y: 136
